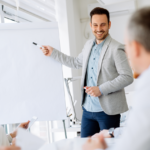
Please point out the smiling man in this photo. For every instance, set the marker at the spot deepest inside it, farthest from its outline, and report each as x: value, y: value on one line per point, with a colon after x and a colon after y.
x: 134, y: 134
x: 105, y: 73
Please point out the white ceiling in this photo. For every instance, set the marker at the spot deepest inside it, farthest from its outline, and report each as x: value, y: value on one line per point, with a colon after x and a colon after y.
x: 43, y: 8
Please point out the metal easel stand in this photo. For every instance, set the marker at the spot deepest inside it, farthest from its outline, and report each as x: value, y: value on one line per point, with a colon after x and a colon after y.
x: 67, y: 81
x: 71, y: 101
x: 65, y: 129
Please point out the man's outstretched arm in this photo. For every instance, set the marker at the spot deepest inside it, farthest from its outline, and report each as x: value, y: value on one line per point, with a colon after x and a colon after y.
x: 72, y: 62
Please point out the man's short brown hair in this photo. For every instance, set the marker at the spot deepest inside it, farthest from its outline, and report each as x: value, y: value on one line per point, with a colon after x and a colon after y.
x: 100, y: 11
x: 139, y: 27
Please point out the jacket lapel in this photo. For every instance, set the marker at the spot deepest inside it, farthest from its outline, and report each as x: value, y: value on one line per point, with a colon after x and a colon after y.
x: 102, y: 54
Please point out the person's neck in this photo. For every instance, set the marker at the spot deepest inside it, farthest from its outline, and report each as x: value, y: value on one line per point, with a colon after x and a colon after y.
x: 146, y: 63
x: 100, y: 41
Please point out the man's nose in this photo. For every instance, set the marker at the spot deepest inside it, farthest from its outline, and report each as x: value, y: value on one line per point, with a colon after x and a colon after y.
x: 99, y: 28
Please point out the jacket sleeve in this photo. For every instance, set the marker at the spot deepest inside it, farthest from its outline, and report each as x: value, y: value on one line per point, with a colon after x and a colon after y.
x: 123, y: 68
x: 72, y: 62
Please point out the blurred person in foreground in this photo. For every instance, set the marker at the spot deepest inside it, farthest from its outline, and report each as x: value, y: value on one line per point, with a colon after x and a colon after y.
x: 10, y: 148
x: 6, y: 140
x: 136, y: 135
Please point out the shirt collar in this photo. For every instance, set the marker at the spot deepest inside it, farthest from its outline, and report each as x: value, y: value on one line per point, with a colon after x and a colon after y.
x: 101, y: 44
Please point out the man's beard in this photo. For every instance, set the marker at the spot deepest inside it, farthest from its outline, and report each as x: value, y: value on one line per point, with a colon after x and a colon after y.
x: 103, y: 37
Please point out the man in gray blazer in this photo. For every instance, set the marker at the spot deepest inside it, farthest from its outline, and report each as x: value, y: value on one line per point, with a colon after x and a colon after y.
x: 135, y: 135
x: 105, y: 73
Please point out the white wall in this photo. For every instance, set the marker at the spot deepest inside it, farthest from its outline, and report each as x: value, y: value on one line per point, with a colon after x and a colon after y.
x: 70, y: 41
x: 85, y: 24
x: 143, y: 3
x: 75, y: 41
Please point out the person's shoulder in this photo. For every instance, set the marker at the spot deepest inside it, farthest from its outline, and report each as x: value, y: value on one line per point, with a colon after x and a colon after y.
x: 116, y: 48
x: 117, y: 45
x: 143, y: 80
x: 142, y: 95
x: 90, y: 41
x: 88, y: 44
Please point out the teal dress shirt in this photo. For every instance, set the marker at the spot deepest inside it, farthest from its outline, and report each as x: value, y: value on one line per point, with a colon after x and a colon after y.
x: 91, y: 103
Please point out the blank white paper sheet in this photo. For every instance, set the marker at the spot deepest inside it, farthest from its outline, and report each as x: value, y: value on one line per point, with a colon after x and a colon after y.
x: 27, y: 141
x: 31, y: 84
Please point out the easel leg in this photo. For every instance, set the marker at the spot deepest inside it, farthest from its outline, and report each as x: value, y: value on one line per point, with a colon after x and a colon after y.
x: 65, y: 129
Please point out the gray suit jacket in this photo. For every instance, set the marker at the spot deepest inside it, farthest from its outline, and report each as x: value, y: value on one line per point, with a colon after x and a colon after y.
x: 114, y: 73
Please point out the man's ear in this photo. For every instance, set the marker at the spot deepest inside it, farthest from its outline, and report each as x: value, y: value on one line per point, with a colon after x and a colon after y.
x: 109, y: 24
x: 91, y: 24
x: 136, y: 48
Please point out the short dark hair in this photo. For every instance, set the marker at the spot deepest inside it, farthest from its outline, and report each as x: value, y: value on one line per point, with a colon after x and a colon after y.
x: 139, y: 27
x: 100, y: 11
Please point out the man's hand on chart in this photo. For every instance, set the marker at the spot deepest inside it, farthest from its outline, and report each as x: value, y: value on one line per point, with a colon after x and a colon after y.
x: 93, y: 91
x: 47, y: 50
x: 22, y: 125
x: 95, y: 143
x: 105, y: 134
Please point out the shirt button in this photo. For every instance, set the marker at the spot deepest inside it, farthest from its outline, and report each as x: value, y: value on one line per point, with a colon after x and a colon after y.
x: 94, y: 58
x: 91, y: 77
x: 92, y: 67
x: 89, y: 95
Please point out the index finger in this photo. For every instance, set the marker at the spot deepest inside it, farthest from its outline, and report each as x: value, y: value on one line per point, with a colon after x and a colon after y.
x: 88, y: 89
x: 44, y: 47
